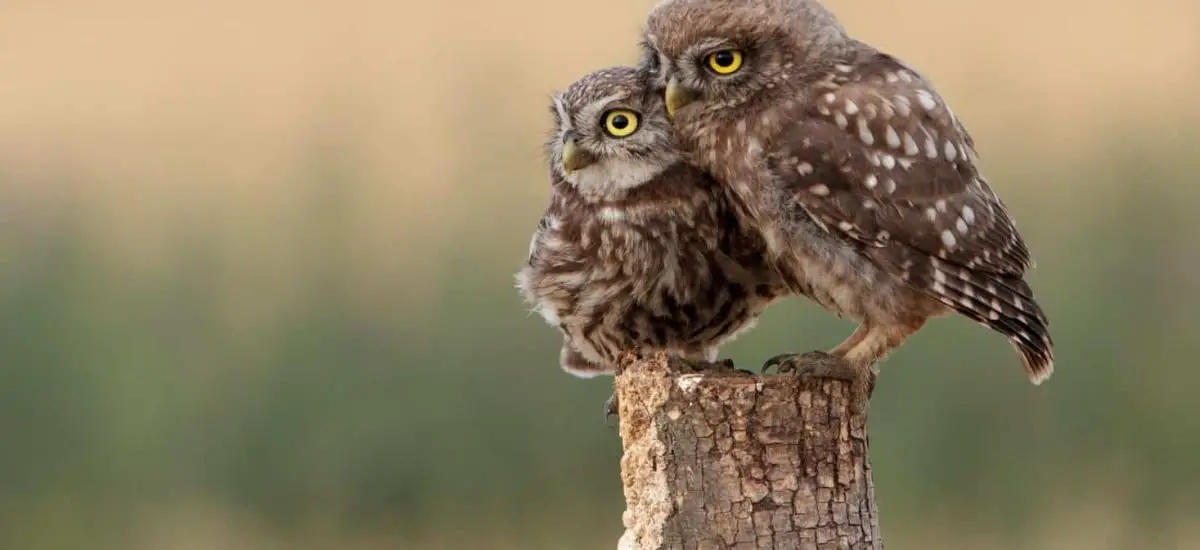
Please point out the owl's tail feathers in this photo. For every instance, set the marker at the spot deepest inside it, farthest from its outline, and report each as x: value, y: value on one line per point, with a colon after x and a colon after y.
x: 1032, y: 337
x: 577, y: 365
x: 1006, y: 304
x: 1038, y: 360
x: 1003, y: 303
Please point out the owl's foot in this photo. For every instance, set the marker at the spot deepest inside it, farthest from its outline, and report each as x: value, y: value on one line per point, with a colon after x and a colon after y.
x: 814, y: 363
x: 611, y: 409
x: 819, y: 364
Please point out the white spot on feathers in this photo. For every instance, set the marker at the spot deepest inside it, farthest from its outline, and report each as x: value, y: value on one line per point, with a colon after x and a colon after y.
x: 893, y: 139
x: 864, y: 133
x: 968, y: 214
x: 926, y: 100
x: 948, y: 238
x: 910, y: 145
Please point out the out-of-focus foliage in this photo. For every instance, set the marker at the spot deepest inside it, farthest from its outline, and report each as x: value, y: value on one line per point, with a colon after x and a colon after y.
x: 256, y: 280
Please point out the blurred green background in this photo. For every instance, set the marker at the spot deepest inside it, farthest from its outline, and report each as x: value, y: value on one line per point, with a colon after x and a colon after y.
x: 256, y: 288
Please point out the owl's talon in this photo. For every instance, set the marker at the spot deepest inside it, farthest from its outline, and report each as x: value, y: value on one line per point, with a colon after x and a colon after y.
x: 611, y: 408
x: 818, y: 364
x: 814, y: 363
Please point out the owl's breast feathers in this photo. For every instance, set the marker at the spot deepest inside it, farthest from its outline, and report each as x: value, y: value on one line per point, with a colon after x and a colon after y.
x: 658, y: 268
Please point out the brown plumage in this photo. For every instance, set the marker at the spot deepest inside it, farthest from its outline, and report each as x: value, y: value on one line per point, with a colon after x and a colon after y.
x: 638, y: 251
x: 861, y: 180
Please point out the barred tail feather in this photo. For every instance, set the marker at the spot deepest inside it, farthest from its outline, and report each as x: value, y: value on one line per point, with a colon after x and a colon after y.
x: 1003, y: 303
x: 1038, y: 360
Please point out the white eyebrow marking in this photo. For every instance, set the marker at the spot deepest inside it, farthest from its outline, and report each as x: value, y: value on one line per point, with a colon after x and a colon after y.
x: 562, y: 112
x: 589, y: 115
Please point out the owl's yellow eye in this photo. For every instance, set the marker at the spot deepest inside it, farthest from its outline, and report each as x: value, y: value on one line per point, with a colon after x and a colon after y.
x: 725, y: 62
x: 620, y: 122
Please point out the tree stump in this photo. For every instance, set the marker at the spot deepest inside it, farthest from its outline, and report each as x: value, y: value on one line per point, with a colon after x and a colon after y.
x: 719, y: 460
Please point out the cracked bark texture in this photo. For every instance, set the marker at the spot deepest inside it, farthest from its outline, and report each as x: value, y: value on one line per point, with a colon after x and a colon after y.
x: 720, y: 460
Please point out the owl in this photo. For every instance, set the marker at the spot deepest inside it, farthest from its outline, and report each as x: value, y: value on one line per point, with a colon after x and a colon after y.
x: 852, y: 168
x: 638, y: 250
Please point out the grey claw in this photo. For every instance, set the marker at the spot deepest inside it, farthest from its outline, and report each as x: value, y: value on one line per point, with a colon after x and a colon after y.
x: 813, y: 363
x: 776, y: 361
x: 610, y: 408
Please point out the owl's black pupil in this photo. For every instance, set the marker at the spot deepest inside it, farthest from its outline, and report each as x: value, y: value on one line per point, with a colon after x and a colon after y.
x: 620, y: 122
x: 724, y: 59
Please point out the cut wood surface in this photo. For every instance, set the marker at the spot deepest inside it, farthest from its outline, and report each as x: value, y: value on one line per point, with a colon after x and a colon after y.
x: 716, y: 460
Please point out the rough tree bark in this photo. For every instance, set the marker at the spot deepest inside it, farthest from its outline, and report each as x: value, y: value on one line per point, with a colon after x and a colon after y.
x: 716, y: 460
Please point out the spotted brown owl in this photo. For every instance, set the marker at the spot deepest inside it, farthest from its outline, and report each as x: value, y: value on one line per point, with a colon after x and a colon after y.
x: 638, y: 250
x: 855, y: 171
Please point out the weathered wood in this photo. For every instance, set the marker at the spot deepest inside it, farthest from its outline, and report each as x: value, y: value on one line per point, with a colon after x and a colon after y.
x: 720, y: 460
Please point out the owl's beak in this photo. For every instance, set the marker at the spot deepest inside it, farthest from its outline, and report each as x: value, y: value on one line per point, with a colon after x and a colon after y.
x: 677, y: 97
x: 574, y: 158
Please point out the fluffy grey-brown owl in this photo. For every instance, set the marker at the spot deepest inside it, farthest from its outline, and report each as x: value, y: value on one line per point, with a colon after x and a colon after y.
x: 638, y: 250
x: 854, y: 169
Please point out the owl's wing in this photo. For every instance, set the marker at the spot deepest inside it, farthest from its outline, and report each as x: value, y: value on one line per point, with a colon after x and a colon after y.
x: 880, y: 159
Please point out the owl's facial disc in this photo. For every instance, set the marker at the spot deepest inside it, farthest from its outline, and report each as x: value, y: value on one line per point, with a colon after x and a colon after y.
x: 611, y: 134
x: 707, y: 70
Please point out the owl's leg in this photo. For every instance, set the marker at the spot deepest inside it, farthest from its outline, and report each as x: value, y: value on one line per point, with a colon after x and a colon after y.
x: 877, y: 343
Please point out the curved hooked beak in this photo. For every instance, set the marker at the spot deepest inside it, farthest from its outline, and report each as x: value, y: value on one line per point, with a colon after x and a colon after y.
x: 574, y: 158
x: 678, y: 96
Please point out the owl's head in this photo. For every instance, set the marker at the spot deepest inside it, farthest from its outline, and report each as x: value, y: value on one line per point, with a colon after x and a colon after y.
x: 707, y: 55
x: 610, y: 134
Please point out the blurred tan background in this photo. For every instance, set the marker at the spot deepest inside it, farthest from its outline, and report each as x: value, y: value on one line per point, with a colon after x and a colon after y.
x: 256, y: 268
